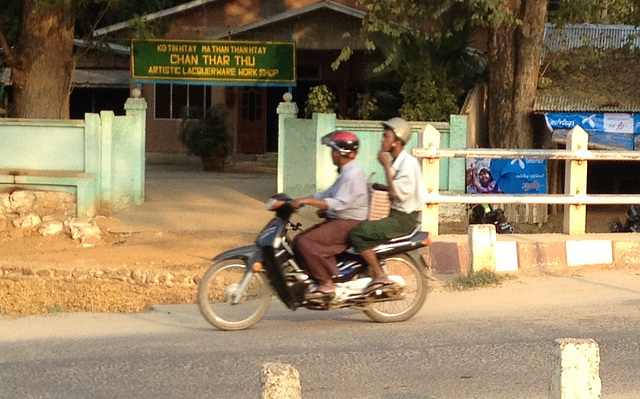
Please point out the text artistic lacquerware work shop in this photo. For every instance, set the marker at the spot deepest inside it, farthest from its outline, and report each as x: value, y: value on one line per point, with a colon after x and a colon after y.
x: 213, y: 61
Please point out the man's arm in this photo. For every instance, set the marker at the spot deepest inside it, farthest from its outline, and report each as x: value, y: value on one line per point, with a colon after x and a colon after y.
x: 385, y: 160
x: 310, y: 200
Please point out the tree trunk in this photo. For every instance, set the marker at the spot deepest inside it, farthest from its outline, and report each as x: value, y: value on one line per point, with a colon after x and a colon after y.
x: 514, y: 56
x: 45, y: 63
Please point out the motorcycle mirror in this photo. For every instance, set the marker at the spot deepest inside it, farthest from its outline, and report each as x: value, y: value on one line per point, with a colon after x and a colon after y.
x: 273, y: 204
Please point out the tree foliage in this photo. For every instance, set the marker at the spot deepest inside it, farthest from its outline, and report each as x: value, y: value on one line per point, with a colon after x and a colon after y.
x: 37, y: 43
x: 514, y: 28
x: 431, y: 63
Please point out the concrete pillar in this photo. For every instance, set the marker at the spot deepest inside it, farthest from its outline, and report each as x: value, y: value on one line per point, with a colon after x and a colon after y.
x: 93, y: 153
x: 136, y: 106
x: 575, y: 369
x: 286, y: 109
x: 107, y: 119
x: 575, y: 183
x: 457, y: 139
x: 430, y: 138
x: 280, y: 381
x: 325, y: 169
x: 482, y: 253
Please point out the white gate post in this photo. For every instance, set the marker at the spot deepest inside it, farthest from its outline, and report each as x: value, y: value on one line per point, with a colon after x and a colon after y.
x: 575, y: 183
x: 430, y: 140
x: 481, y: 248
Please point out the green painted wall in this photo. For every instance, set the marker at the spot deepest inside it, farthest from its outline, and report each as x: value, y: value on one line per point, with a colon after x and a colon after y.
x: 100, y: 159
x: 42, y: 144
x: 305, y: 167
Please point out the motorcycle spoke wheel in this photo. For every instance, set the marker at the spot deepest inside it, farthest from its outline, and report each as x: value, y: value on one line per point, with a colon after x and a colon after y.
x: 217, y: 290
x: 413, y: 296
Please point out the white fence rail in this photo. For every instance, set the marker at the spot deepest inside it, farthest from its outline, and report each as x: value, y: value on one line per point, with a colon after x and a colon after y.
x: 574, y: 198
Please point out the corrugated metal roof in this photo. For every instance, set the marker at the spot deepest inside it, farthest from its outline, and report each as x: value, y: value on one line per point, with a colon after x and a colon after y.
x: 106, y: 78
x: 600, y: 36
x: 600, y: 89
x: 564, y: 103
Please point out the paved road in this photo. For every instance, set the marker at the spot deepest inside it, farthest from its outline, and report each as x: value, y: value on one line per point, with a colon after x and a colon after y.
x: 487, y: 343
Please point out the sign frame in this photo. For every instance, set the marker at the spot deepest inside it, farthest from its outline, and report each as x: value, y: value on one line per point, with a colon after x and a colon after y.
x: 214, y: 62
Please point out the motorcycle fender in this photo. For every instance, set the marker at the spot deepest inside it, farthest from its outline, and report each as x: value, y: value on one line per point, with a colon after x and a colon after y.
x: 416, y: 257
x: 247, y: 252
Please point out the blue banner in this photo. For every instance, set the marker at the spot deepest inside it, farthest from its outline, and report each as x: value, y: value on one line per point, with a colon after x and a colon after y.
x: 595, y: 122
x: 512, y: 176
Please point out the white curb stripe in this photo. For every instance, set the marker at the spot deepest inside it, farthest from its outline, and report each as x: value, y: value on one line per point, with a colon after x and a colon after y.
x: 506, y: 256
x: 589, y: 252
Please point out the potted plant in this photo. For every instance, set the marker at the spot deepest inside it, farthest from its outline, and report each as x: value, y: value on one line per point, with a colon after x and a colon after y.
x: 207, y: 136
x: 366, y: 105
x: 320, y: 100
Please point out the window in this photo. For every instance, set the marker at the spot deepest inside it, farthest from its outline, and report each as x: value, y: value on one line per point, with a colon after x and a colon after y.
x: 308, y: 71
x: 172, y: 99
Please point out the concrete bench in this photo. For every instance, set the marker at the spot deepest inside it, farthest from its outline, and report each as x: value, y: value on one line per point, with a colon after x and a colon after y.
x: 82, y: 182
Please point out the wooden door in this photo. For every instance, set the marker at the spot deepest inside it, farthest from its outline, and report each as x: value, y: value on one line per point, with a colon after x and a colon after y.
x: 252, y: 136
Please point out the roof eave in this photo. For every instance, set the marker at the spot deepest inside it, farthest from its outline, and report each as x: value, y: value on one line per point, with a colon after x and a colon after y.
x: 153, y: 16
x: 329, y: 5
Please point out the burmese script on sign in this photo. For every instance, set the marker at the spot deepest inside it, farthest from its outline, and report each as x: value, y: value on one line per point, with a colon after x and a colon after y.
x: 216, y: 61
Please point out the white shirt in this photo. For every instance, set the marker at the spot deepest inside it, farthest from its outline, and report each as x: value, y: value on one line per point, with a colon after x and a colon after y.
x: 408, y: 184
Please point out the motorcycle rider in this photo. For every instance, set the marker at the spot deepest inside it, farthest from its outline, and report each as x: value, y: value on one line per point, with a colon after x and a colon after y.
x: 344, y: 206
x: 407, y: 194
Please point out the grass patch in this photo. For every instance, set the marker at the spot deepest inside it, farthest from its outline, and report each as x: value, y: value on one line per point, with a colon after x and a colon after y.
x: 482, y: 278
x: 55, y: 309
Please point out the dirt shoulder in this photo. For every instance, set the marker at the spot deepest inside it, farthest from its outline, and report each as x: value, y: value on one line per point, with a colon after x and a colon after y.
x: 152, y: 253
x: 125, y: 272
x: 155, y: 253
x: 122, y: 273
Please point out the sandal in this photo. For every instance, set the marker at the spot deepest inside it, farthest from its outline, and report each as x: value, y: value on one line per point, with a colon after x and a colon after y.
x: 376, y: 285
x: 318, y: 294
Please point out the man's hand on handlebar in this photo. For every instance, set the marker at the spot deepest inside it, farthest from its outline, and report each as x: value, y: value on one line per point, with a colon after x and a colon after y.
x: 310, y: 200
x: 297, y: 203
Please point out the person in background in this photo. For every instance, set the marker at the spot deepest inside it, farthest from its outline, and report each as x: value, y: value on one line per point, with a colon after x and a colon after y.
x: 483, y: 183
x: 344, y: 205
x: 407, y: 194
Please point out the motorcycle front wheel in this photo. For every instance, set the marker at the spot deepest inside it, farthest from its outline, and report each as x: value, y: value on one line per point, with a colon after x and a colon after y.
x: 222, y: 304
x: 413, y: 296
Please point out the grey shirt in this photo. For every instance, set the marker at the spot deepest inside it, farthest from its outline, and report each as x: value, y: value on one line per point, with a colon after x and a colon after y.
x: 348, y: 196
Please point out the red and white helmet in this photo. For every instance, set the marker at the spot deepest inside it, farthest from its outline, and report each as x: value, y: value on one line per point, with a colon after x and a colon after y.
x: 343, y: 141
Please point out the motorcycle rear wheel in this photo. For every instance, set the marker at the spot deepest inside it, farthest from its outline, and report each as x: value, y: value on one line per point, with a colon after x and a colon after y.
x: 414, y: 296
x: 216, y: 289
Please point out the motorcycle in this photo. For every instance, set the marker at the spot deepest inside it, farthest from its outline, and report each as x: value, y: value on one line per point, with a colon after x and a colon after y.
x: 235, y: 292
x: 631, y: 223
x: 485, y: 214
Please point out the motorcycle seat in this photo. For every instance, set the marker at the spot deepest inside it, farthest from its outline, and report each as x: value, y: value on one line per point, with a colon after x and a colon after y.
x: 407, y: 237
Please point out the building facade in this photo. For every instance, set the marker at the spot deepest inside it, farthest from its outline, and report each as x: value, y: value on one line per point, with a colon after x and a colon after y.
x: 316, y: 27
